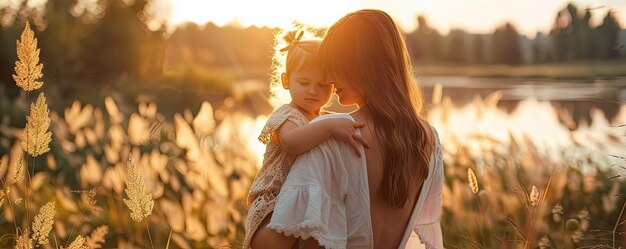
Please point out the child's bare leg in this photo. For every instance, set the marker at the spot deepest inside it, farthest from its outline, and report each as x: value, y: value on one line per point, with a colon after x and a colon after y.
x: 311, y: 244
x: 268, y: 238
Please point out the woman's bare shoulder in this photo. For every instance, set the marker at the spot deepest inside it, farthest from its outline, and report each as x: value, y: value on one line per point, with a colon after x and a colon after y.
x: 333, y: 115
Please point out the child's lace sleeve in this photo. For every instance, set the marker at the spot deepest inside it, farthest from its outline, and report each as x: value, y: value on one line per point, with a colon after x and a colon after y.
x: 277, y: 118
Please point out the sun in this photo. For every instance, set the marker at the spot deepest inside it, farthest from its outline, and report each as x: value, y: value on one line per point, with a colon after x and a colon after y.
x: 271, y: 13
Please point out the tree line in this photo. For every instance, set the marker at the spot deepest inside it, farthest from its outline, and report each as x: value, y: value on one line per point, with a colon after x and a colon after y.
x: 572, y: 37
x: 116, y: 42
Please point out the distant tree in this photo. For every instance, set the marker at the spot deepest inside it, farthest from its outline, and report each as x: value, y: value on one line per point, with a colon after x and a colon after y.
x: 223, y: 47
x: 585, y: 36
x: 416, y: 42
x: 560, y: 35
x: 574, y: 38
x: 61, y: 40
x: 479, y: 49
x: 575, y: 30
x: 538, y: 49
x: 425, y: 43
x: 8, y: 56
x: 507, y: 48
x: 5, y: 66
x: 456, y: 46
x: 609, y: 30
x: 12, y: 22
x: 122, y: 45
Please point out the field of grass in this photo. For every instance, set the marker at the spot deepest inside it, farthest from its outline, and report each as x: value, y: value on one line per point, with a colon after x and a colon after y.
x: 124, y: 175
x: 198, y: 166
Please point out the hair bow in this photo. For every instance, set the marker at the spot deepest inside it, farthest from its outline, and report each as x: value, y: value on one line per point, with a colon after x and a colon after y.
x: 293, y: 42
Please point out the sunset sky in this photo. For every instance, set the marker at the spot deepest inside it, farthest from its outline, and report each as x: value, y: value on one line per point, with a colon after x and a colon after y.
x: 478, y: 16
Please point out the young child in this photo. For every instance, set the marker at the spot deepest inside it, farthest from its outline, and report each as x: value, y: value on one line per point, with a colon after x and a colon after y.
x: 287, y: 132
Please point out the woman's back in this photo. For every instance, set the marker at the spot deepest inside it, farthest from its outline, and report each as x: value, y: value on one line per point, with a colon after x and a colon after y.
x: 326, y: 195
x: 388, y: 223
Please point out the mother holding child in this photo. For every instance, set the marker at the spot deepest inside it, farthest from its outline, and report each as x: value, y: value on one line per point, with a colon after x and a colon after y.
x: 369, y: 179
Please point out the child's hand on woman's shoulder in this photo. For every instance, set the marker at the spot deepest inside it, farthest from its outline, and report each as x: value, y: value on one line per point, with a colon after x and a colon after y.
x: 344, y: 130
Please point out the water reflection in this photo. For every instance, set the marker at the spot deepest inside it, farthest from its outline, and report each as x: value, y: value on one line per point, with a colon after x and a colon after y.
x: 559, y: 118
x: 577, y: 98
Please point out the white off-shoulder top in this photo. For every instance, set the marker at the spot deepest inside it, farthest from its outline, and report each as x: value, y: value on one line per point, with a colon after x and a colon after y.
x: 326, y: 196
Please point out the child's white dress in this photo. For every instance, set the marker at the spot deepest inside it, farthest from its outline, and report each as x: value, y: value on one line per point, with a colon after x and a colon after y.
x: 271, y: 176
x: 326, y: 196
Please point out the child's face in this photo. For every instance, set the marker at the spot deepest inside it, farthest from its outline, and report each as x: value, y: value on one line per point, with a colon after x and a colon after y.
x: 309, y: 90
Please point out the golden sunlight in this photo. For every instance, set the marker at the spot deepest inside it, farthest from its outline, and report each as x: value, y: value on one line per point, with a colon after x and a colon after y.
x: 442, y: 14
x: 273, y: 13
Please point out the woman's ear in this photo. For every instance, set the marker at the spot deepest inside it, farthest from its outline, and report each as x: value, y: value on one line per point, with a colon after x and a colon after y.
x: 283, y: 78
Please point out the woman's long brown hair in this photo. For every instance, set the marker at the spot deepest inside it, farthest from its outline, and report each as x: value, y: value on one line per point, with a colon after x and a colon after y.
x: 367, y: 50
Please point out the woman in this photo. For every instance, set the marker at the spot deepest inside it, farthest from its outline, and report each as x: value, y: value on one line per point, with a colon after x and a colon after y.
x: 334, y: 199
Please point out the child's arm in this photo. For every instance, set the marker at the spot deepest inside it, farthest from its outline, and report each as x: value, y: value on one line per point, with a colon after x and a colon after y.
x: 296, y: 140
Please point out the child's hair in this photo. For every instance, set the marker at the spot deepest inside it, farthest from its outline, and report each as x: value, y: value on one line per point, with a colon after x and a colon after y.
x: 366, y: 50
x: 291, y: 53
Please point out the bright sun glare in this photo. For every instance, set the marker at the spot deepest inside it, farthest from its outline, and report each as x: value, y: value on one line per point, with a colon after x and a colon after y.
x: 442, y: 14
x: 273, y: 13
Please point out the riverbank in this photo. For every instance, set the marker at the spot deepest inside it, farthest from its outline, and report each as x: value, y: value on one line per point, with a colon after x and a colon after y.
x: 585, y: 71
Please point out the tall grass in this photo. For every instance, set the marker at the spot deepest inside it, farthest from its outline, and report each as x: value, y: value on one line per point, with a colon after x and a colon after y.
x: 556, y: 189
x: 125, y: 176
